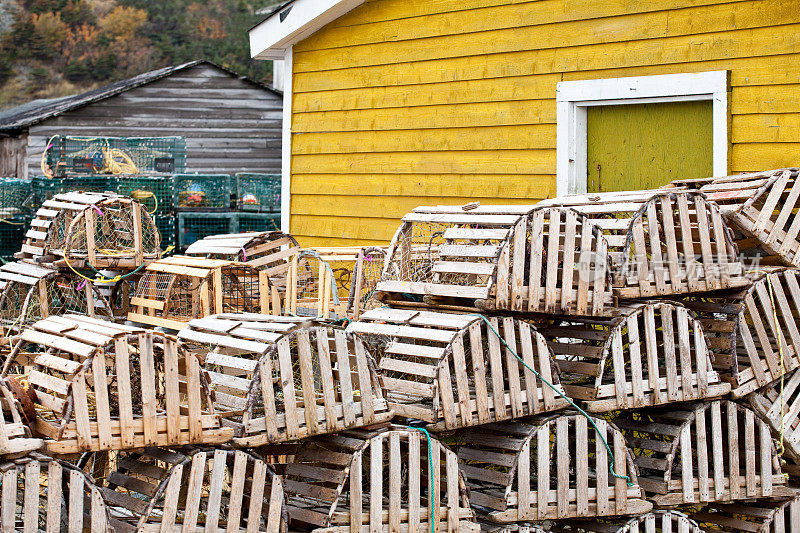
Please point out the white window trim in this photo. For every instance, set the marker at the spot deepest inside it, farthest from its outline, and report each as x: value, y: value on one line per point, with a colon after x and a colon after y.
x: 574, y: 97
x: 286, y: 143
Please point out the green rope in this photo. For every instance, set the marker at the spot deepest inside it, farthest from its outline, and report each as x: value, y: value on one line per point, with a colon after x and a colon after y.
x: 431, y: 499
x: 569, y: 400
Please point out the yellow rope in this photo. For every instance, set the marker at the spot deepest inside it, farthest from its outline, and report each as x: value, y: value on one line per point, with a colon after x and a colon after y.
x: 46, y: 170
x: 780, y: 352
x: 140, y: 195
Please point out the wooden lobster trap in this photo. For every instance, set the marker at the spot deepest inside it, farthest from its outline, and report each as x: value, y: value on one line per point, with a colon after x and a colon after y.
x: 177, y: 289
x: 519, y: 258
x: 760, y: 516
x: 714, y: 451
x: 30, y: 292
x: 104, y: 386
x: 650, y: 354
x: 40, y: 493
x: 754, y: 333
x: 311, y: 288
x: 391, y: 479
x: 357, y: 271
x: 15, y: 420
x: 181, y: 489
x: 549, y: 467
x: 778, y: 405
x: 662, y: 242
x: 762, y: 208
x: 284, y: 378
x: 656, y: 521
x: 92, y: 230
x: 453, y: 371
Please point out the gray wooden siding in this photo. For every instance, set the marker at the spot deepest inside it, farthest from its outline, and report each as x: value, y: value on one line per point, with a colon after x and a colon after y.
x: 230, y: 125
x: 12, y: 156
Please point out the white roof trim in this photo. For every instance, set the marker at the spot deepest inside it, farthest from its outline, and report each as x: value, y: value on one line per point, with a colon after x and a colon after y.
x: 293, y: 23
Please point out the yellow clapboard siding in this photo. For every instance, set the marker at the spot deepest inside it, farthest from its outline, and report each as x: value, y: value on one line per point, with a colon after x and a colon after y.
x: 310, y: 241
x: 481, y: 162
x: 540, y: 136
x: 482, y: 16
x: 444, y: 116
x: 766, y: 128
x: 439, y: 188
x: 763, y: 156
x: 399, y: 103
x: 702, y: 47
x: 622, y: 28
x: 385, y: 206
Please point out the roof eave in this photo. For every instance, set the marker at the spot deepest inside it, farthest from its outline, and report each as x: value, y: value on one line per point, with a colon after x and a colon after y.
x: 293, y: 23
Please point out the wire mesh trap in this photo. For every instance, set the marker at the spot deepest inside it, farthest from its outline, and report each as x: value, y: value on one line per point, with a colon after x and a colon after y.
x: 177, y: 289
x: 356, y: 271
x: 549, y: 467
x: 452, y: 371
x: 258, y: 192
x: 194, y: 226
x: 91, y: 230
x: 311, y: 288
x: 16, y: 198
x: 15, y: 433
x: 284, y: 378
x: 67, y: 154
x: 104, y: 386
x: 714, y: 451
x: 30, y: 292
x: 761, y: 207
x: 194, y: 489
x: 753, y: 332
x: 760, y: 516
x: 650, y: 354
x: 662, y: 242
x: 202, y: 191
x: 12, y: 236
x: 154, y: 193
x: 40, y: 493
x: 391, y: 479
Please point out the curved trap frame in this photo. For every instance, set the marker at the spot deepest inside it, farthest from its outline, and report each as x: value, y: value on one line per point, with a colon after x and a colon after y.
x: 40, y: 493
x: 761, y: 516
x: 177, y: 289
x: 452, y: 371
x: 651, y: 354
x: 318, y: 382
x: 657, y: 521
x: 761, y: 207
x: 268, y: 250
x: 707, y: 452
x: 311, y: 288
x: 778, y: 406
x: 15, y: 433
x: 30, y: 292
x: 357, y: 271
x: 651, y: 251
x: 752, y: 349
x: 374, y: 480
x: 498, y: 257
x: 92, y: 230
x: 105, y: 386
x: 159, y: 489
x: 550, y: 467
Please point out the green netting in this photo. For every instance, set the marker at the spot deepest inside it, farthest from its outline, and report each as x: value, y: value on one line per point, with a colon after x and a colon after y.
x: 258, y: 222
x: 195, y: 226
x: 12, y: 235
x: 202, y: 191
x: 44, y: 188
x: 153, y: 192
x: 166, y: 229
x: 16, y: 197
x: 115, y: 155
x: 258, y: 192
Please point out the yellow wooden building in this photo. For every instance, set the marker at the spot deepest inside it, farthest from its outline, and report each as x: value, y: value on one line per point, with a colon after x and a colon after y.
x: 390, y: 104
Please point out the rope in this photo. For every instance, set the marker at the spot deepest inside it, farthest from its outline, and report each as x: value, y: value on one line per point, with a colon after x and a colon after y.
x: 781, y: 448
x: 567, y: 398
x: 431, y: 499
x: 46, y: 170
x: 140, y: 195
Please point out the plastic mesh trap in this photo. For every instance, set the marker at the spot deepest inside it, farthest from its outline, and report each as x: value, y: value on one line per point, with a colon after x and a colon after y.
x: 202, y: 191
x: 195, y: 226
x: 258, y: 192
x: 105, y: 155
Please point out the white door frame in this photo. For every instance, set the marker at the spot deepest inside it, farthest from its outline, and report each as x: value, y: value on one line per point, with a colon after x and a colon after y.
x: 574, y: 97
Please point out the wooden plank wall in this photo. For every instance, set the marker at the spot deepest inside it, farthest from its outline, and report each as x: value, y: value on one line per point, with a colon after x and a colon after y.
x: 230, y: 125
x: 12, y: 156
x: 399, y: 104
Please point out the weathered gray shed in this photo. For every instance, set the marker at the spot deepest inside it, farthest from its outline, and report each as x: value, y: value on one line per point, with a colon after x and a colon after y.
x: 231, y: 123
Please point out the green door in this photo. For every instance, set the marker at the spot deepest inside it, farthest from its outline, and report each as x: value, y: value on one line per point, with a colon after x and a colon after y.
x: 644, y: 146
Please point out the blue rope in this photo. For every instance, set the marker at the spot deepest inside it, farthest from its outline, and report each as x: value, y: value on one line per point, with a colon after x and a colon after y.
x: 431, y: 499
x: 569, y: 400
